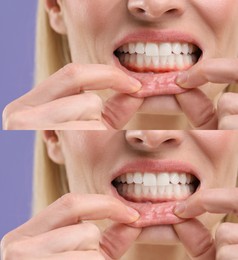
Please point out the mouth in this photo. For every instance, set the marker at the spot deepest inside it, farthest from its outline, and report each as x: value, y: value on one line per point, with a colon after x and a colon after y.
x: 154, y: 194
x: 157, y: 57
x: 157, y: 64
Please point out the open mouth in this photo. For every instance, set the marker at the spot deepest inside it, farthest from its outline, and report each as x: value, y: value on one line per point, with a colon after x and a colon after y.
x: 157, y: 65
x: 158, y: 57
x: 154, y: 194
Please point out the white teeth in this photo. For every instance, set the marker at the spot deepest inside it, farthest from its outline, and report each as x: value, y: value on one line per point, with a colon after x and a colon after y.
x: 130, y: 189
x: 152, y: 49
x: 158, y: 49
x: 182, y: 178
x: 174, y: 178
x: 125, y: 48
x: 189, y: 178
x: 171, y: 61
x: 140, y: 60
x: 151, y: 186
x: 153, y: 190
x: 185, y: 48
x: 163, y: 179
x: 169, y: 191
x: 162, y: 56
x: 155, y: 61
x: 177, y: 190
x: 179, y: 61
x: 165, y: 49
x: 177, y: 48
x: 140, y: 48
x: 132, y: 48
x: 138, y: 178
x: 146, y: 190
x: 149, y: 179
x: 161, y: 191
x: 148, y: 61
x: 156, y: 179
x: 138, y: 189
x: 129, y: 178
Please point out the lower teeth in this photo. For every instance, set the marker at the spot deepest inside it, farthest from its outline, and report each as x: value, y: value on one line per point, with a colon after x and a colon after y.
x: 143, y: 63
x: 139, y: 192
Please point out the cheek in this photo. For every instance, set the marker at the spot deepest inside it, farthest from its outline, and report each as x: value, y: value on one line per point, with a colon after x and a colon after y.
x: 91, y: 16
x: 219, y: 12
x: 222, y: 18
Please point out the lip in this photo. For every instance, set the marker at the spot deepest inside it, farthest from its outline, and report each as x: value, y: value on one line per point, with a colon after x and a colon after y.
x: 154, y: 213
x: 154, y: 84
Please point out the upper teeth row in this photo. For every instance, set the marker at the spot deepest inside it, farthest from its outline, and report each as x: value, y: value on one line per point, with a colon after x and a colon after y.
x: 158, y: 49
x: 156, y: 179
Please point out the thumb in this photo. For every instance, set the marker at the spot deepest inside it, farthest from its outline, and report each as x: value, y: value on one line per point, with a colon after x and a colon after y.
x: 117, y: 239
x: 119, y: 109
x: 196, y: 239
x: 199, y: 109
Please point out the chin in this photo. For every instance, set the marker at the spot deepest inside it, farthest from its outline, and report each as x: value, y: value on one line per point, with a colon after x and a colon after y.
x: 158, y: 235
x: 161, y: 105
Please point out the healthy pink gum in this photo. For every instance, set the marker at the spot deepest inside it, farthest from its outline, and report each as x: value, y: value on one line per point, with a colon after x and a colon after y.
x: 157, y: 84
x: 156, y: 214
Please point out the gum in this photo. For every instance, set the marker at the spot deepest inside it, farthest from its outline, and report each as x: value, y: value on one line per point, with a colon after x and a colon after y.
x: 155, y: 214
x: 157, y: 84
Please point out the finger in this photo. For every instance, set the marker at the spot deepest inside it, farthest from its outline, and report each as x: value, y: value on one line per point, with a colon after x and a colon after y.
x: 213, y: 70
x: 226, y: 234
x: 227, y: 252
x: 76, y: 255
x: 212, y: 200
x: 84, y: 236
x: 74, y: 78
x: 117, y: 239
x: 76, y: 125
x: 72, y: 208
x: 228, y: 111
x: 119, y: 109
x: 86, y: 106
x: 199, y: 109
x: 199, y: 246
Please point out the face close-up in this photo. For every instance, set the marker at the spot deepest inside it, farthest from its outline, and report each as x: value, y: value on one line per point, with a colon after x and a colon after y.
x: 152, y: 40
x: 150, y: 171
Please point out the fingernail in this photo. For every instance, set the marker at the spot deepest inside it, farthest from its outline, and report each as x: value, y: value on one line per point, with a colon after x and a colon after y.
x: 135, y: 84
x: 134, y: 214
x: 179, y: 209
x: 182, y: 79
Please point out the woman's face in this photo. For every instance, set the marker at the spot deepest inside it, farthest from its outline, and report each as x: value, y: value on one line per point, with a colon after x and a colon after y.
x: 161, y: 167
x: 198, y: 29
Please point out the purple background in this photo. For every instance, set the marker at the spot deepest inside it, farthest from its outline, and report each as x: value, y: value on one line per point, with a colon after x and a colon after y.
x: 17, y: 29
x: 17, y: 32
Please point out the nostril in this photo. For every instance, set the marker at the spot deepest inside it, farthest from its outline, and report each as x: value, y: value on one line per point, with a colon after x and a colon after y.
x: 140, y: 11
x: 137, y: 141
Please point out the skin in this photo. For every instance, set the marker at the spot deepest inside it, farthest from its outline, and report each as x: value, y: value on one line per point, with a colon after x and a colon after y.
x: 90, y: 171
x: 92, y: 40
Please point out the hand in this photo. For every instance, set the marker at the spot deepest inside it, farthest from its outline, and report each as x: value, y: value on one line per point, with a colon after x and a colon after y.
x: 61, y: 231
x: 60, y: 102
x: 196, y: 238
x: 198, y: 107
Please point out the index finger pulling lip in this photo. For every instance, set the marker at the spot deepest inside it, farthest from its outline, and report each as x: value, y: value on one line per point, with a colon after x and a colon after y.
x: 72, y: 208
x: 220, y: 201
x: 74, y: 78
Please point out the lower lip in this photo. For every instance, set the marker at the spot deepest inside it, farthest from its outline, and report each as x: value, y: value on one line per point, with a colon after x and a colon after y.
x: 152, y: 214
x: 154, y: 84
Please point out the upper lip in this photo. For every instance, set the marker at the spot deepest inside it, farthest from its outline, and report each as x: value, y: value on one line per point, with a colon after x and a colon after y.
x: 157, y: 166
x: 158, y: 36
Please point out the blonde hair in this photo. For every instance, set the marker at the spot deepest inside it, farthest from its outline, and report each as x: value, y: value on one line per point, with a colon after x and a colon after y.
x: 52, y: 53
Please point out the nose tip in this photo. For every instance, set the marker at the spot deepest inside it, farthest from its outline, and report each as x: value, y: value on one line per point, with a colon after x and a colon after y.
x: 152, y: 10
x: 153, y: 140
